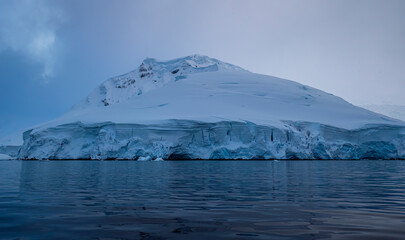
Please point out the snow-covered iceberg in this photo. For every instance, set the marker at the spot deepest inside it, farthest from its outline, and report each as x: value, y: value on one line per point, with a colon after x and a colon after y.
x: 10, y: 145
x: 5, y: 157
x: 201, y: 108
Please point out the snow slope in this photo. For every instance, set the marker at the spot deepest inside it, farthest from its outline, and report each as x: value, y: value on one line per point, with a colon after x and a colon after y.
x: 201, y: 108
x: 394, y: 111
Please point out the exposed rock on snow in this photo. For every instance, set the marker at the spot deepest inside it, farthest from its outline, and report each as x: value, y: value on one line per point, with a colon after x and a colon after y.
x: 150, y: 75
x: 201, y: 108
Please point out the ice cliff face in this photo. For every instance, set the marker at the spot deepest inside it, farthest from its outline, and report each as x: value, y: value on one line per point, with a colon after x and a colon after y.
x: 201, y: 108
x: 221, y: 140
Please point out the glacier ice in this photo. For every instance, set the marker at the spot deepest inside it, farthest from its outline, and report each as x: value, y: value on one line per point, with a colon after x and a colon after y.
x: 202, y: 108
x: 221, y: 140
x: 5, y: 156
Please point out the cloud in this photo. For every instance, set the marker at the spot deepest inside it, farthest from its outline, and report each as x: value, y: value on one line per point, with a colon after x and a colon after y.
x: 30, y: 27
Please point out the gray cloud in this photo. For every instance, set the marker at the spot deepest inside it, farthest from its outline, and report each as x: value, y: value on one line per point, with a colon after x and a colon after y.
x: 30, y: 27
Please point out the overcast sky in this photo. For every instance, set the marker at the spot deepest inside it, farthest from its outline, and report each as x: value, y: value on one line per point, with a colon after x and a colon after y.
x: 53, y: 53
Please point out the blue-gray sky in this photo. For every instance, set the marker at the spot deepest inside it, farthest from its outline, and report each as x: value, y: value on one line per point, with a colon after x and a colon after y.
x: 53, y: 53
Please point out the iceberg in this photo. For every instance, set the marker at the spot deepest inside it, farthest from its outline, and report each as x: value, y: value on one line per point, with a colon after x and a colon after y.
x: 5, y: 156
x: 198, y: 107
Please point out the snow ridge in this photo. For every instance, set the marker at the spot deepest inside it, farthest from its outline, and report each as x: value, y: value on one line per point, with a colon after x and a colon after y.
x: 151, y: 74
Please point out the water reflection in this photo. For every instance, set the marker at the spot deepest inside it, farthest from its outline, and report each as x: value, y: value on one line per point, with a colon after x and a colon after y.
x: 202, y: 199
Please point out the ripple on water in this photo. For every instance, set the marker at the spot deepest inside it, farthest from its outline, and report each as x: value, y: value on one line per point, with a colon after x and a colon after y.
x: 202, y: 199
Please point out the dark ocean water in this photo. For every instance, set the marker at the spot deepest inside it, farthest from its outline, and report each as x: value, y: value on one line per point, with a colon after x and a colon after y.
x: 202, y: 200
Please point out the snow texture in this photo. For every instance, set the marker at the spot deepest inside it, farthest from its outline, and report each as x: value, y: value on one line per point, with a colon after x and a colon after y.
x: 201, y: 108
x: 393, y: 111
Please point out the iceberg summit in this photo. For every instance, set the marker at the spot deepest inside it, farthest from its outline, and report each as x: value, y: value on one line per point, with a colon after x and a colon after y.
x: 198, y: 107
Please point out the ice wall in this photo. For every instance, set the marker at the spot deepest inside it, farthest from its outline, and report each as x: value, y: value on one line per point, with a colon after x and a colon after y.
x: 184, y: 139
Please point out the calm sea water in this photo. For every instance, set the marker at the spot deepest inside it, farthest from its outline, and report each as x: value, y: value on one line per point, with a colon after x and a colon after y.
x: 202, y: 200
